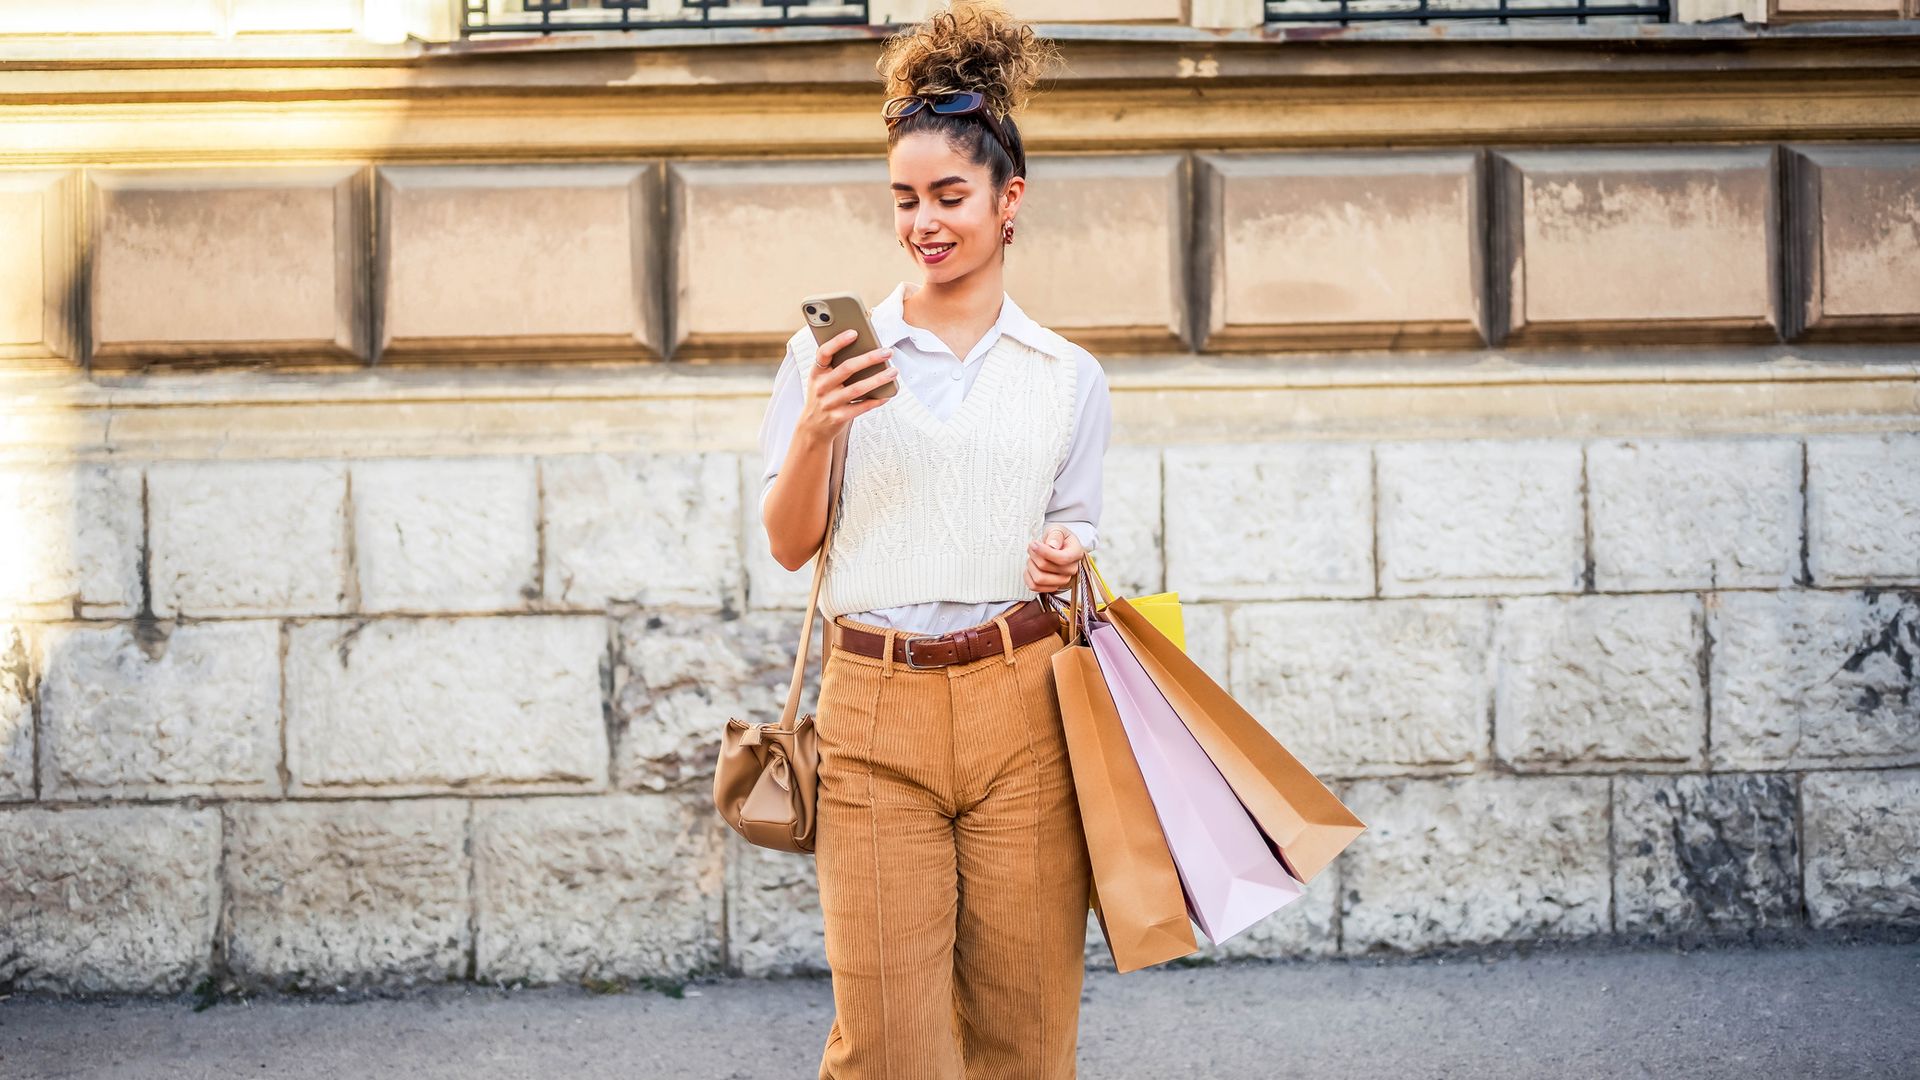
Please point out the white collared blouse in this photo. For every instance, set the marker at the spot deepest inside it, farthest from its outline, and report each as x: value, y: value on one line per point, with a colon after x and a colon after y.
x: 930, y: 371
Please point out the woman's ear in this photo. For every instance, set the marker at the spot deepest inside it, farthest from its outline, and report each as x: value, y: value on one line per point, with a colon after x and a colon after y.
x: 1010, y: 198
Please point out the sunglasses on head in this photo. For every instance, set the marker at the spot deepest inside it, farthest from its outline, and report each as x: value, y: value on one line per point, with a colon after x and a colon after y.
x: 964, y: 101
x: 957, y: 103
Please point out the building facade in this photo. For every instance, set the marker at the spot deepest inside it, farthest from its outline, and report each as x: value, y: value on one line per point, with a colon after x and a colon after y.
x: 1526, y: 407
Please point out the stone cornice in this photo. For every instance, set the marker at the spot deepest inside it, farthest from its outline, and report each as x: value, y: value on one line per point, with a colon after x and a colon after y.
x: 806, y: 93
x: 1519, y: 42
x: 55, y: 417
x: 53, y: 70
x: 620, y: 124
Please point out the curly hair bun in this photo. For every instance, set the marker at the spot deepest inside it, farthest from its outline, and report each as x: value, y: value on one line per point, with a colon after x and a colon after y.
x: 974, y: 45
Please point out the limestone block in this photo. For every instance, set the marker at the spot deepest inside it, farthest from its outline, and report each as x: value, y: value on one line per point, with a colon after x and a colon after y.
x: 1107, y: 11
x: 1791, y: 11
x: 1670, y: 243
x: 899, y: 12
x: 1359, y: 689
x: 1467, y: 860
x: 1599, y: 681
x: 1129, y: 546
x: 446, y: 535
x: 187, y: 709
x: 626, y: 886
x: 323, y: 894
x: 1371, y: 250
x: 1704, y: 853
x: 16, y: 714
x: 738, y: 276
x: 295, y: 15
x: 73, y: 542
x: 1863, y: 509
x: 1854, y: 236
x: 1814, y: 679
x: 1207, y: 638
x: 1226, y: 14
x: 204, y: 264
x: 118, y: 899
x: 681, y: 674
x: 769, y: 585
x: 117, y: 17
x: 38, y: 218
x: 403, y: 706
x: 1269, y: 521
x: 1130, y: 209
x: 1863, y: 842
x: 642, y: 529
x: 247, y: 538
x: 1464, y: 13
x: 773, y: 912
x: 512, y: 261
x: 1480, y: 517
x: 1694, y: 513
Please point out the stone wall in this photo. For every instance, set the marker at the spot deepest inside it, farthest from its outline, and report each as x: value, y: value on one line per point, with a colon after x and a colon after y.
x: 384, y: 720
x: 380, y: 556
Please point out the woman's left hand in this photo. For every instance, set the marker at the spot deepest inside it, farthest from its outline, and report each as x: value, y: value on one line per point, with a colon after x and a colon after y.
x: 1054, y: 560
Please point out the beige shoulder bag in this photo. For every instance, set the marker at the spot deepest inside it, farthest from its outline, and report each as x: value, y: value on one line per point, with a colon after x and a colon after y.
x: 765, y: 781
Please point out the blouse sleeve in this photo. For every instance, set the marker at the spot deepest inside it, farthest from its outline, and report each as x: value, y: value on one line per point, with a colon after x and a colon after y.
x: 1077, y: 486
x: 776, y: 426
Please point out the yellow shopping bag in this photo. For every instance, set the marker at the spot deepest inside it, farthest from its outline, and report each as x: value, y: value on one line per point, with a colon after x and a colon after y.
x: 1161, y: 609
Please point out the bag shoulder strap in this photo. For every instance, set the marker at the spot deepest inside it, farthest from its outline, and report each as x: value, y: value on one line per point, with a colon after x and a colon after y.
x: 835, y: 475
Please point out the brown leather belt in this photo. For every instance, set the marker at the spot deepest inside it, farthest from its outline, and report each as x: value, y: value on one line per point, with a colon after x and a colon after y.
x: 1028, y: 622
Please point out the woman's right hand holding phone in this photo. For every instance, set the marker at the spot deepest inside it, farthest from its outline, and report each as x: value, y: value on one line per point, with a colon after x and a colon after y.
x: 829, y: 406
x: 794, y: 511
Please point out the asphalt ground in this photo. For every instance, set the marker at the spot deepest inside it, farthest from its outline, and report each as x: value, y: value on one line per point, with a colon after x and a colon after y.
x: 1809, y: 1011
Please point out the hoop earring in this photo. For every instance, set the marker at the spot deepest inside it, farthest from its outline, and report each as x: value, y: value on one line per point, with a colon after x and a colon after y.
x: 1006, y: 234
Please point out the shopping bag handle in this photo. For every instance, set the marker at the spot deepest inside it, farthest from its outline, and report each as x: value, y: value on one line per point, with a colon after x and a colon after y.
x: 1078, y: 607
x: 1108, y: 593
x: 1067, y: 610
x: 1088, y: 606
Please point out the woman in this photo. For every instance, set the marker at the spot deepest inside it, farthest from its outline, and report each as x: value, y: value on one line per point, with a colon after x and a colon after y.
x: 953, y: 872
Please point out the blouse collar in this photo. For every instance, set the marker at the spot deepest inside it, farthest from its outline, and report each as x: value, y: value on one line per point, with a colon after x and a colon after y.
x: 889, y: 322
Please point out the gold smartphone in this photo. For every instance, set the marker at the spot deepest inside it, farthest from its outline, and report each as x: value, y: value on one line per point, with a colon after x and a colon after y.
x: 832, y: 314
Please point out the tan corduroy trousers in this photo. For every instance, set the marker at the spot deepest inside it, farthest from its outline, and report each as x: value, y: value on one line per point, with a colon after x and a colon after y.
x: 953, y: 871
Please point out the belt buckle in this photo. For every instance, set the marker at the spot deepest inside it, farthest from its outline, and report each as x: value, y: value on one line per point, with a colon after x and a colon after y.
x: 908, y: 649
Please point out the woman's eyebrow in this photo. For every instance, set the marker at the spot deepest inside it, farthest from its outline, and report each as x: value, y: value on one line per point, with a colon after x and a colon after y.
x: 945, y: 181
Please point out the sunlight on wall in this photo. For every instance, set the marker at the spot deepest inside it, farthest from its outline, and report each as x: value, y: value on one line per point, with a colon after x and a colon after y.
x: 378, y: 20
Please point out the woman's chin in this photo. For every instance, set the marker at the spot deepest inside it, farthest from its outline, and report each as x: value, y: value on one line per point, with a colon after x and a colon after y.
x: 944, y: 272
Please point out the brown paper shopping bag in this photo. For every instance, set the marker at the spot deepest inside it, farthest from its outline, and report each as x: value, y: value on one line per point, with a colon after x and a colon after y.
x: 1137, y: 893
x: 1297, y: 812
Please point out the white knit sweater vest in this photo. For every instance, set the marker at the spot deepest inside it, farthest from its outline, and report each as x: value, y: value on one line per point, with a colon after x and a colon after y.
x: 943, y: 510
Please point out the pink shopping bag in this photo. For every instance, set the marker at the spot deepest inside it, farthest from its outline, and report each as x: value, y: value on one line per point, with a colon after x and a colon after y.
x: 1231, y: 876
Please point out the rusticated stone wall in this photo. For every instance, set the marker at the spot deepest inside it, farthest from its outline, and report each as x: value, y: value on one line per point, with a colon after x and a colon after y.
x: 345, y: 265
x: 1559, y: 506
x: 397, y: 719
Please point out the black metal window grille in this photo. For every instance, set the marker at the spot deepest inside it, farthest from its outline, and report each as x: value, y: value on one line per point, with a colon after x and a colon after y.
x: 549, y: 16
x: 1348, y: 12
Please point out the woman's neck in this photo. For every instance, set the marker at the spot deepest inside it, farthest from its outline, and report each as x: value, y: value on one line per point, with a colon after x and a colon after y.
x: 958, y: 312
